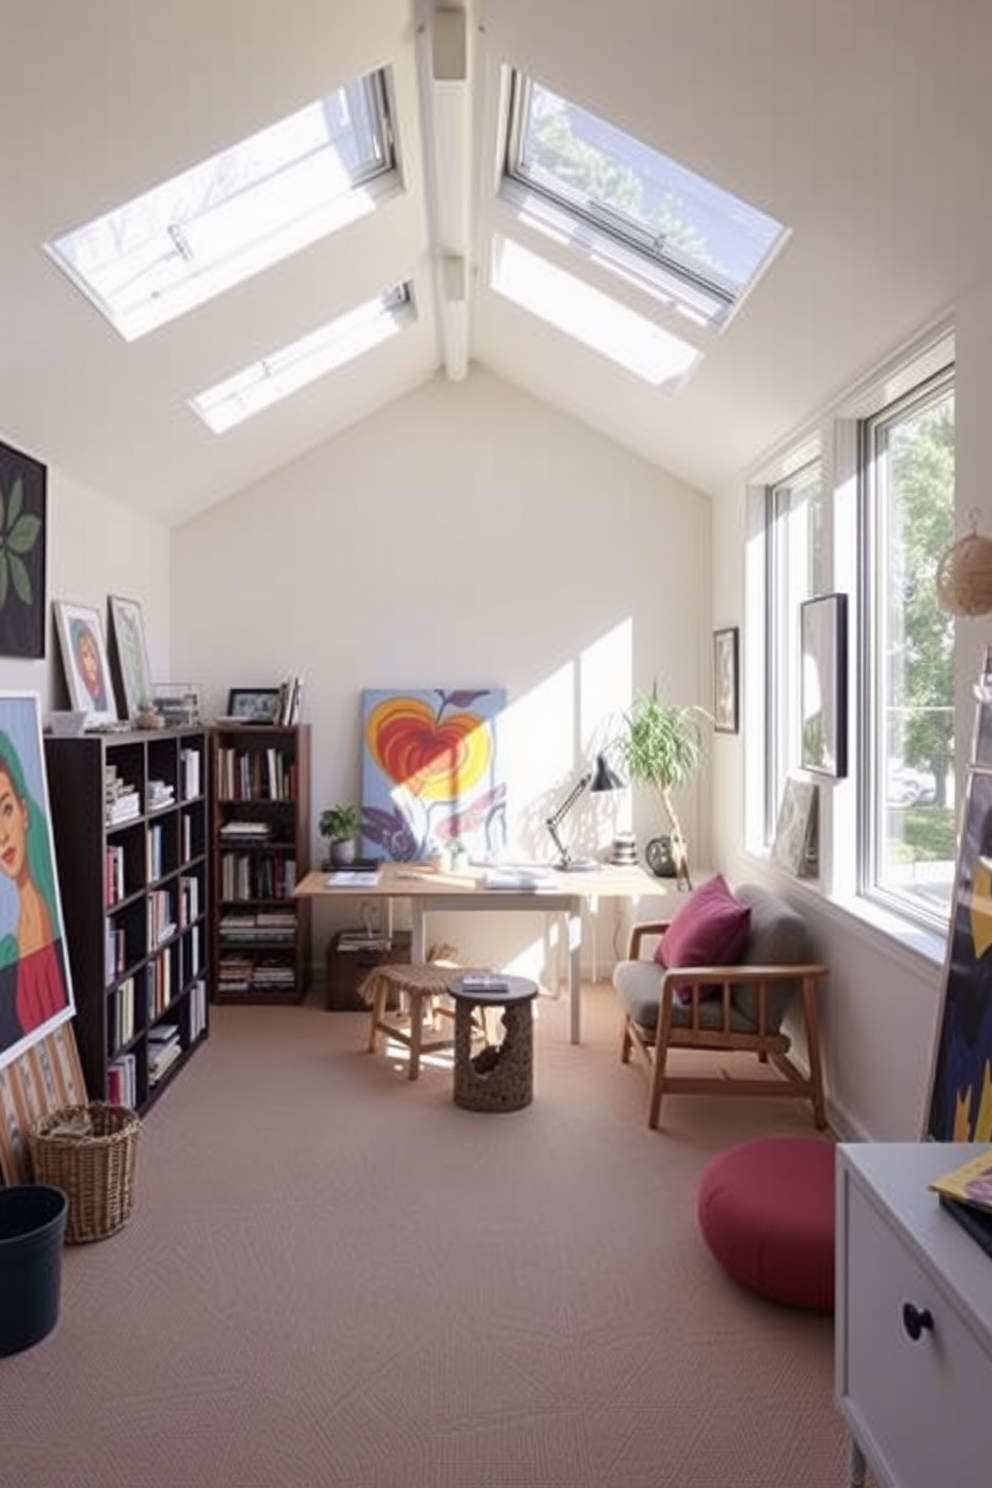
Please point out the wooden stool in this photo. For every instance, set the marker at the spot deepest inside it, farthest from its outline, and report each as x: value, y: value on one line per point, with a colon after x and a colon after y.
x: 423, y: 987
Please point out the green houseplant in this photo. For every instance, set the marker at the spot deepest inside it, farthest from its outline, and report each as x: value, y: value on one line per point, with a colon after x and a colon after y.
x: 340, y: 824
x: 661, y: 746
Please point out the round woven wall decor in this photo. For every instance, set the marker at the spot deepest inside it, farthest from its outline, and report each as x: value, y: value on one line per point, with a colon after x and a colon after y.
x: 964, y: 576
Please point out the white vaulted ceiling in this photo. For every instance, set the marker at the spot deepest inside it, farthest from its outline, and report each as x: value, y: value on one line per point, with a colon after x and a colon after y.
x: 863, y: 125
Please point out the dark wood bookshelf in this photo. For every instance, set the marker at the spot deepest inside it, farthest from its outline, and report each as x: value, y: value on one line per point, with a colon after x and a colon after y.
x: 260, y: 846
x: 135, y: 898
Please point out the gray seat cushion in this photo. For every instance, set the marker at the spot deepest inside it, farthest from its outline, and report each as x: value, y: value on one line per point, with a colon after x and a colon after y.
x: 777, y: 937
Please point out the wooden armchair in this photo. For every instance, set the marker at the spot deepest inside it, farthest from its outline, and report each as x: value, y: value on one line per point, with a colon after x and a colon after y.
x: 726, y: 1008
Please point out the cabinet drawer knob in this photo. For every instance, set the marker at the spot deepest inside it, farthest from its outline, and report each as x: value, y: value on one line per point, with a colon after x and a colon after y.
x: 916, y: 1320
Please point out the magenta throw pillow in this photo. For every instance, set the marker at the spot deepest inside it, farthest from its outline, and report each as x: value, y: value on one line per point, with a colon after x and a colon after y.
x: 709, y: 929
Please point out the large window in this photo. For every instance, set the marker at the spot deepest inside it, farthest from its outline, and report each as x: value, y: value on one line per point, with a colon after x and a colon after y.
x: 248, y: 207
x: 907, y: 743
x: 796, y: 570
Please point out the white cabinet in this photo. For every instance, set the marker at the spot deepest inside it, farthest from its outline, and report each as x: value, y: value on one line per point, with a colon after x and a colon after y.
x: 914, y: 1320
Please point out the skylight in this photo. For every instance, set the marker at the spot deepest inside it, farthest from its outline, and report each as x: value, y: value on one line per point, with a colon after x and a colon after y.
x: 237, y: 213
x: 284, y: 372
x: 632, y: 209
x: 590, y: 316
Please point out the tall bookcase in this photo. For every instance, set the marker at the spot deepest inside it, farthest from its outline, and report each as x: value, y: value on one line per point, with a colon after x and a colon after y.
x: 130, y: 823
x: 260, y: 841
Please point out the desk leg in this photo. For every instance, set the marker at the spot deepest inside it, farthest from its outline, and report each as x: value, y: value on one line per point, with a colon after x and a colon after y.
x: 418, y: 932
x: 575, y: 969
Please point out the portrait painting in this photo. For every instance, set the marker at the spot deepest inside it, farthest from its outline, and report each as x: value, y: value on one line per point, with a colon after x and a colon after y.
x: 430, y: 773
x: 35, y: 988
x: 130, y: 650
x: 23, y: 489
x: 84, y: 660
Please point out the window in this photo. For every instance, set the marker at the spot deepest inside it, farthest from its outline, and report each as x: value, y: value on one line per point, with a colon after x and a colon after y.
x: 274, y: 377
x: 908, y: 813
x: 627, y: 207
x: 239, y: 212
x: 795, y: 570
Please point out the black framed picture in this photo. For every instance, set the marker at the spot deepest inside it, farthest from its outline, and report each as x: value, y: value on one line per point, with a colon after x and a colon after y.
x: 254, y: 704
x: 726, y: 680
x: 23, y: 489
x: 823, y: 684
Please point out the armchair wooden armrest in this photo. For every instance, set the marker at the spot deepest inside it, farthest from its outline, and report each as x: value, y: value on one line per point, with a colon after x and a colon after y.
x: 640, y: 932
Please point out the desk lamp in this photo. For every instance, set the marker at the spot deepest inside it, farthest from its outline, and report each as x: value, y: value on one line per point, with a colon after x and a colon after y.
x: 603, y: 778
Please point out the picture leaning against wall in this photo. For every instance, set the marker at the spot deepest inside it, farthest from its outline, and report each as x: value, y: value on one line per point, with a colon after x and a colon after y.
x: 127, y: 627
x: 35, y: 987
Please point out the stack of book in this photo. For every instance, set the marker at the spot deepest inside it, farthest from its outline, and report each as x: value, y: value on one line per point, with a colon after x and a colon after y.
x: 158, y: 795
x: 164, y: 1048
x: 122, y: 800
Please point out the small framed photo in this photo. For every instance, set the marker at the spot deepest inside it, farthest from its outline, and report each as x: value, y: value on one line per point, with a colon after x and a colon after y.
x: 823, y: 684
x: 726, y: 680
x: 84, y: 660
x: 127, y: 629
x: 254, y: 704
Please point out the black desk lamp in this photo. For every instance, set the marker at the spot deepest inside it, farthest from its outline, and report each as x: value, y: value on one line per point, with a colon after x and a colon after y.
x: 603, y: 778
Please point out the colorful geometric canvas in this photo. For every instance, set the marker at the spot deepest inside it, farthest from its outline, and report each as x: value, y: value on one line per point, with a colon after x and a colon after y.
x: 430, y: 772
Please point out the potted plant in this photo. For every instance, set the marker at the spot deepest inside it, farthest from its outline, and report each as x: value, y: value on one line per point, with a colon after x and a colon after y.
x: 661, y: 746
x: 340, y: 824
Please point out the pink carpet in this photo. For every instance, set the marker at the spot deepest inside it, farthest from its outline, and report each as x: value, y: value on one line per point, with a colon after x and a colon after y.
x: 335, y: 1276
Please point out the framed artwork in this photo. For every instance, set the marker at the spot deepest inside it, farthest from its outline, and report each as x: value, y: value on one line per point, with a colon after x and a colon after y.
x: 254, y: 704
x: 960, y: 1101
x: 726, y: 681
x: 823, y: 684
x: 84, y: 659
x: 127, y: 628
x: 796, y: 846
x: 35, y: 987
x: 430, y: 772
x: 23, y: 489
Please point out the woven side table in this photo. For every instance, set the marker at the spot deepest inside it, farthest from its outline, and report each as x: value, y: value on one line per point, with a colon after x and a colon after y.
x: 501, y: 1076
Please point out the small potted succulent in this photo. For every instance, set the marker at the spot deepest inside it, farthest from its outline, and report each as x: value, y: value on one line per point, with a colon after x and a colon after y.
x: 340, y: 824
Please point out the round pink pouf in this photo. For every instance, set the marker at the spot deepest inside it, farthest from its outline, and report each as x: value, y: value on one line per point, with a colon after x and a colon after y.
x: 766, y: 1210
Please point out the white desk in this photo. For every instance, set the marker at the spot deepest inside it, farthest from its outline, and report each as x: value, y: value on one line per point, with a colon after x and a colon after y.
x: 430, y: 892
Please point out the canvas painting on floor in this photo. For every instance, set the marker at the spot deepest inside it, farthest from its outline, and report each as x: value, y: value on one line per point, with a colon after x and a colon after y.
x: 35, y: 989
x: 430, y: 772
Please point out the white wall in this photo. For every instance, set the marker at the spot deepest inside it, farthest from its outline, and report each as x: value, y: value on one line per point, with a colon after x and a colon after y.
x: 468, y: 535
x: 95, y: 547
x: 882, y: 1007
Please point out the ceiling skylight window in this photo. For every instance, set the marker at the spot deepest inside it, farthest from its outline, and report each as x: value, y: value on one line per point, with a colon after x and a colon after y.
x: 284, y: 372
x: 237, y: 213
x: 590, y: 316
x: 632, y: 209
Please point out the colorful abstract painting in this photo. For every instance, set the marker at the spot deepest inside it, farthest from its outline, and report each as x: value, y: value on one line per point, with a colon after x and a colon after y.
x: 430, y: 773
x: 961, y: 1085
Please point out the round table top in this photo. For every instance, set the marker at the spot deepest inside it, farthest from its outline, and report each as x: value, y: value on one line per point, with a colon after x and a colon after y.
x: 481, y: 987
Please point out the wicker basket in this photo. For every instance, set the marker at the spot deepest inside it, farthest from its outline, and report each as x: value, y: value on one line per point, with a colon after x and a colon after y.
x: 89, y: 1152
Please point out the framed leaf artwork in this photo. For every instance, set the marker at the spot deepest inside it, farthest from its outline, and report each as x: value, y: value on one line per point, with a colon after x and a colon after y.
x: 23, y: 488
x: 84, y: 659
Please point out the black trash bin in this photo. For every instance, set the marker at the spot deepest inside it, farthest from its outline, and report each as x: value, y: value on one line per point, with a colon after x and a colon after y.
x: 32, y: 1229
